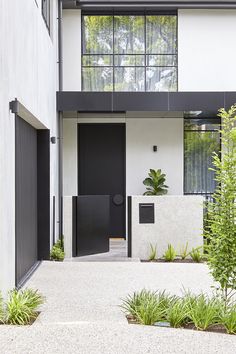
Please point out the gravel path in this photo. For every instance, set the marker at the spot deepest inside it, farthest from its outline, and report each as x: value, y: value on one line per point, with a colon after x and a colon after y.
x: 82, y: 313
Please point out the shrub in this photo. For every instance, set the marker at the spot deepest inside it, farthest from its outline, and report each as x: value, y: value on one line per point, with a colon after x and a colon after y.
x: 204, y: 312
x: 22, y: 306
x: 170, y: 254
x: 184, y: 251
x: 153, y: 253
x: 1, y: 309
x: 155, y: 183
x: 147, y: 307
x: 196, y: 255
x: 57, y: 253
x: 177, y: 313
x: 228, y: 319
x: 220, y: 226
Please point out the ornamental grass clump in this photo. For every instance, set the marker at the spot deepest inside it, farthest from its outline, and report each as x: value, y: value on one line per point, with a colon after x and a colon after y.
x: 196, y: 255
x: 220, y: 226
x: 146, y: 307
x: 228, y: 319
x: 22, y: 306
x: 177, y: 313
x: 170, y: 254
x: 153, y: 253
x: 204, y: 312
x: 184, y: 251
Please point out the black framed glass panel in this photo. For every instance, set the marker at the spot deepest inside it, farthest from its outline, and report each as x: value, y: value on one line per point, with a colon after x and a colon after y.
x: 201, y: 140
x: 139, y: 52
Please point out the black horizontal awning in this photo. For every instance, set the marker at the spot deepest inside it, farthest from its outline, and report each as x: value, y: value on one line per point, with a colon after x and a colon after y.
x: 143, y: 101
x: 97, y: 5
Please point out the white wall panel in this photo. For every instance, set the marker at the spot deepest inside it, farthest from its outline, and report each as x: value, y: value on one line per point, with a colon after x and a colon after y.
x: 207, y: 51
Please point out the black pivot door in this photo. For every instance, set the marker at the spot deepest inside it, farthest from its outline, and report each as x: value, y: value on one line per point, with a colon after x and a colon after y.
x: 26, y: 198
x: 101, y: 168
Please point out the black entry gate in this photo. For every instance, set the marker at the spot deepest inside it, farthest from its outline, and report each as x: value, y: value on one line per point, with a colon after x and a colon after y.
x: 91, y: 222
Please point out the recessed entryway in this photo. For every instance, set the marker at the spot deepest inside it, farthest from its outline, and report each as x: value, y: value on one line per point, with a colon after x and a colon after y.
x: 101, y: 172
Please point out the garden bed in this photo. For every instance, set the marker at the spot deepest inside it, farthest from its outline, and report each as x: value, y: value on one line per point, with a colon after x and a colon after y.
x: 214, y: 328
x: 161, y: 260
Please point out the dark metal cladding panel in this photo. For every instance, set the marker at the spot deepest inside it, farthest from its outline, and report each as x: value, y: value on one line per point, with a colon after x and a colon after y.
x: 43, y: 161
x: 230, y: 99
x: 195, y: 101
x: 140, y: 101
x: 26, y: 197
x: 84, y: 101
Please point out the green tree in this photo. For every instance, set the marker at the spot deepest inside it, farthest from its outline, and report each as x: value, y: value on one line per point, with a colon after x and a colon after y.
x: 221, y: 218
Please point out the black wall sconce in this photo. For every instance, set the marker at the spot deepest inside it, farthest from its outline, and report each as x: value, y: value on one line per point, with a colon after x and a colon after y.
x: 53, y: 139
x: 154, y: 148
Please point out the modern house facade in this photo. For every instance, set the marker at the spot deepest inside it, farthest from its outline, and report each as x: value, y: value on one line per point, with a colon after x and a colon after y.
x: 120, y: 87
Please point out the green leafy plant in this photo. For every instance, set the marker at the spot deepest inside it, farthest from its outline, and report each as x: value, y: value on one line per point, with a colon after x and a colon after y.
x: 1, y: 309
x: 147, y: 307
x: 220, y: 229
x: 170, y: 254
x: 153, y: 252
x: 204, y: 312
x: 177, y: 313
x: 22, y: 306
x: 155, y: 183
x: 196, y: 255
x: 57, y: 252
x: 228, y: 319
x: 184, y: 251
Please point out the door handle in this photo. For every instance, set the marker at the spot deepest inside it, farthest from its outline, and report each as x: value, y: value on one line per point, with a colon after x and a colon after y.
x: 118, y: 199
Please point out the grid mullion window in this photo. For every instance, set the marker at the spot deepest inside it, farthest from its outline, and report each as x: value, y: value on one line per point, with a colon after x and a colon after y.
x: 124, y: 53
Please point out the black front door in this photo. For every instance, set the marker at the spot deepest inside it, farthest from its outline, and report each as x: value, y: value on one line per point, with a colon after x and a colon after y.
x: 101, y: 168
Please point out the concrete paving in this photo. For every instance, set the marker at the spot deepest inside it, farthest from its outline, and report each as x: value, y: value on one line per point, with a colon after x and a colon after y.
x: 82, y: 313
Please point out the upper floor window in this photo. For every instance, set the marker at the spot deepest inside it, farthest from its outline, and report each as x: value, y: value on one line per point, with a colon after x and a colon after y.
x: 46, y: 12
x: 129, y: 53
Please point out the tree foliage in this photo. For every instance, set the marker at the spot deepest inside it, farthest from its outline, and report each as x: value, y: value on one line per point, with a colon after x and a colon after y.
x: 220, y: 228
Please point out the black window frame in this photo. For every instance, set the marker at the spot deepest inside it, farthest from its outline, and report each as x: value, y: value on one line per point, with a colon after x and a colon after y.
x: 46, y: 12
x: 215, y: 120
x: 145, y: 54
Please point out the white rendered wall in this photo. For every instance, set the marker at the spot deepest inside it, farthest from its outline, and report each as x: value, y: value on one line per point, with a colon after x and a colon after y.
x: 206, y: 50
x: 71, y: 50
x: 164, y: 130
x: 28, y: 72
x: 141, y: 135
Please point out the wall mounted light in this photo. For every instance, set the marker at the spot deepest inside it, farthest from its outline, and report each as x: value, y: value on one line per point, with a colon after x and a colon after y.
x: 53, y: 139
x: 154, y: 148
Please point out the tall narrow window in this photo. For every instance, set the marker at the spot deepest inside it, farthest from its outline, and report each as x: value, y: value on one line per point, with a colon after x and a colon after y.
x: 129, y: 53
x: 46, y: 12
x: 201, y: 139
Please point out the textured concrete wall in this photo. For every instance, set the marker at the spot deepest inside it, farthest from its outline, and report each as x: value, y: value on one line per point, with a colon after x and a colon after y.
x: 28, y: 72
x: 178, y: 219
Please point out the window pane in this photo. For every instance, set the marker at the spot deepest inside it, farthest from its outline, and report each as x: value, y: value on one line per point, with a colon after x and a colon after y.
x: 161, y: 60
x: 129, y: 34
x: 97, y: 34
x: 198, y: 150
x: 129, y: 60
x: 129, y: 79
x: 97, y: 79
x: 161, y: 79
x: 97, y: 60
x: 161, y: 34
